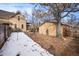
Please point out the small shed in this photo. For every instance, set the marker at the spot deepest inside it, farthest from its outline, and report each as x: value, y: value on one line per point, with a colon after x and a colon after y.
x: 49, y: 28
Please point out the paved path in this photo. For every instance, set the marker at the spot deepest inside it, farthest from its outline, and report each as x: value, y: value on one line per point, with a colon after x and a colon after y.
x: 21, y: 45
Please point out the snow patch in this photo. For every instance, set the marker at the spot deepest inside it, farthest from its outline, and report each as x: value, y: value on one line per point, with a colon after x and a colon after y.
x: 20, y: 44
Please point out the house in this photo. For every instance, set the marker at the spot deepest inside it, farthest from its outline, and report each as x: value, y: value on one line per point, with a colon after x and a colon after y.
x: 17, y: 19
x: 10, y: 21
x: 49, y: 28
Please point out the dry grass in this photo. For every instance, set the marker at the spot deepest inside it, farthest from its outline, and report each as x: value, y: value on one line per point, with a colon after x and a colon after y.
x: 65, y: 47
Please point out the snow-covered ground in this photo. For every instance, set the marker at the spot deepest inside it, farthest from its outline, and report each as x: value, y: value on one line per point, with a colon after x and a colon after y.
x: 20, y: 44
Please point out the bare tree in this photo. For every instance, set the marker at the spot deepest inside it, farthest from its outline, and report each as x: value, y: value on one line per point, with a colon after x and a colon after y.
x: 59, y: 11
x: 38, y: 16
x: 34, y: 18
x: 71, y: 19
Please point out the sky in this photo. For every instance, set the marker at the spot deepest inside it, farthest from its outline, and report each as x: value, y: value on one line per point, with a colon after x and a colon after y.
x: 14, y: 7
x: 23, y: 7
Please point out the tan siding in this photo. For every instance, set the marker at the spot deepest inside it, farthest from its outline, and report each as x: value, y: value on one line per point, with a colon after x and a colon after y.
x: 19, y: 22
x: 51, y: 29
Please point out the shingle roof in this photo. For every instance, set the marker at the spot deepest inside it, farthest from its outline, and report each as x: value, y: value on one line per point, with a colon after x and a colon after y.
x: 53, y: 21
x: 65, y: 24
x: 6, y: 14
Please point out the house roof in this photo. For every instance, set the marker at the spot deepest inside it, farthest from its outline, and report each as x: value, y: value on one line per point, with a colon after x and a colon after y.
x: 6, y: 14
x: 55, y: 22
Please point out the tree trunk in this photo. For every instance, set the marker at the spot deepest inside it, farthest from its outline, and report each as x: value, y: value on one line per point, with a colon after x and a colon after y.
x: 58, y: 29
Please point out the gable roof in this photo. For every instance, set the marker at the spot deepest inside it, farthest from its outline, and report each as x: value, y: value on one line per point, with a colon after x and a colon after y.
x: 54, y: 22
x: 64, y: 24
x: 7, y: 15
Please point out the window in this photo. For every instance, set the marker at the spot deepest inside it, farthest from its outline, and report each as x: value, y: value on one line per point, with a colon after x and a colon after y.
x: 22, y: 26
x: 18, y: 18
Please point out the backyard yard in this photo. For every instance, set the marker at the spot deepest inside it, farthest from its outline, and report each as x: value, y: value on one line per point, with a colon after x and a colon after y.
x: 66, y: 46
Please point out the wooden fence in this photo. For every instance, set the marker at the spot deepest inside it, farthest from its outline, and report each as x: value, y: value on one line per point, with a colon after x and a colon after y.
x: 4, y: 33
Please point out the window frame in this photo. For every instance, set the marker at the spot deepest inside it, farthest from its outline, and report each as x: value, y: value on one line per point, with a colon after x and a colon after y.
x: 18, y: 18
